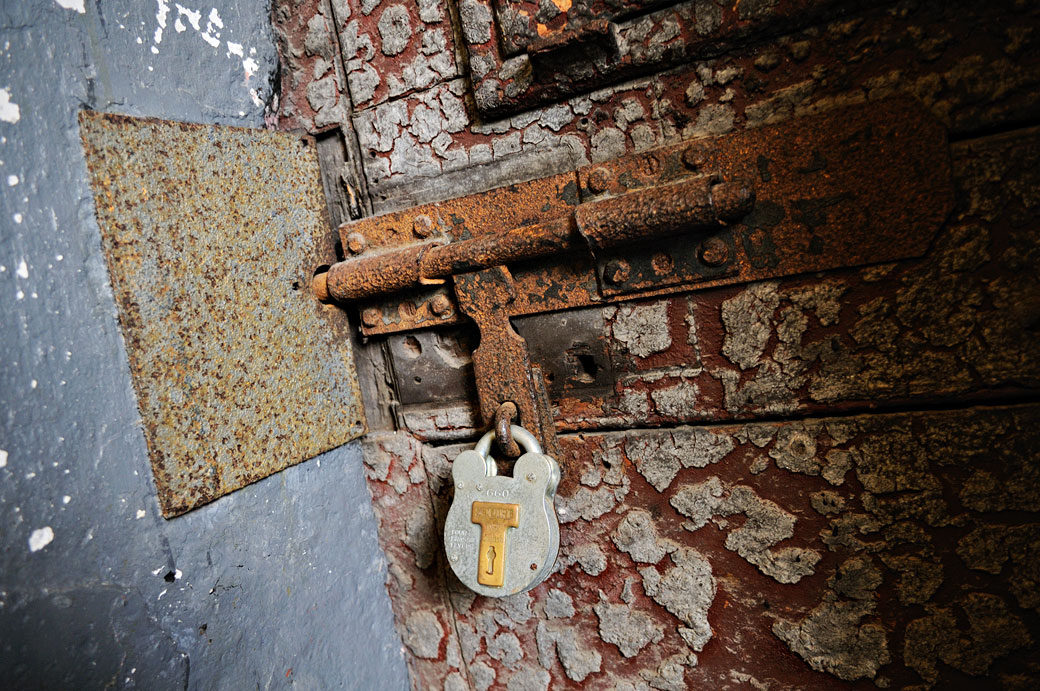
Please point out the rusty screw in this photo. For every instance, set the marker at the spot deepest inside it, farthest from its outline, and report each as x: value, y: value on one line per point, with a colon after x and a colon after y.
x: 422, y: 226
x: 617, y: 271
x: 598, y: 180
x: 371, y: 317
x: 651, y: 164
x: 714, y: 251
x: 662, y: 263
x: 356, y: 243
x: 440, y: 305
x: 696, y: 155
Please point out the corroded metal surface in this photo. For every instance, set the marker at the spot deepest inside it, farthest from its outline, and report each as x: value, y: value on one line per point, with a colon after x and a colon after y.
x: 695, y: 205
x: 211, y: 235
x: 856, y: 186
x: 501, y: 364
x: 504, y: 418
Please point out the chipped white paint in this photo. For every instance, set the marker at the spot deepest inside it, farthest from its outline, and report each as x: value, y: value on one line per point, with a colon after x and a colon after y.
x: 18, y: 218
x: 156, y: 571
x: 255, y: 95
x: 3, y: 458
x: 72, y: 5
x: 193, y: 16
x: 12, y: 180
x: 30, y: 476
x: 211, y: 35
x: 140, y: 514
x: 22, y: 270
x: 250, y: 66
x: 40, y: 538
x: 66, y: 499
x: 9, y: 111
x: 19, y: 295
x: 177, y: 574
x: 33, y: 384
x: 160, y: 16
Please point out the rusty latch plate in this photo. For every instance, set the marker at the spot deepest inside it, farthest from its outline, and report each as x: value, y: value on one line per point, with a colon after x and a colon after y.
x: 211, y: 235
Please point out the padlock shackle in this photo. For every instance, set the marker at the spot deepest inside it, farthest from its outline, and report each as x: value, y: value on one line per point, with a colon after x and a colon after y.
x: 525, y: 439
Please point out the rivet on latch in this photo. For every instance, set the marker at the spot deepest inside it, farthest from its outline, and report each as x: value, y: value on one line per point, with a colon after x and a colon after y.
x: 662, y: 263
x: 714, y: 251
x: 696, y: 155
x: 356, y: 243
x: 422, y: 226
x: 371, y: 316
x: 441, y: 306
x: 598, y: 180
x: 651, y: 164
x: 617, y: 271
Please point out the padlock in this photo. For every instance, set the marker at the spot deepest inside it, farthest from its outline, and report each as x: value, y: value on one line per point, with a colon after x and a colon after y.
x: 502, y: 535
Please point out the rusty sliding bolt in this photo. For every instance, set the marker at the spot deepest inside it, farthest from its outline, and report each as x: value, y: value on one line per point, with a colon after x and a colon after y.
x: 697, y: 204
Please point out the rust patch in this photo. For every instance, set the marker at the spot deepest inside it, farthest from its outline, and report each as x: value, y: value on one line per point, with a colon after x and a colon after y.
x: 211, y: 235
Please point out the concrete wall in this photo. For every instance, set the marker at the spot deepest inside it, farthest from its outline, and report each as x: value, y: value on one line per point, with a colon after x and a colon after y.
x: 279, y: 584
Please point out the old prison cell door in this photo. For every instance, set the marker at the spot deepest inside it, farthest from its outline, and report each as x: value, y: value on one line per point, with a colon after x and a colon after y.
x: 761, y: 276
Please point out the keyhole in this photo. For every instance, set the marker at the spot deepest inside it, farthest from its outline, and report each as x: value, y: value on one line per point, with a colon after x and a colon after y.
x: 491, y: 560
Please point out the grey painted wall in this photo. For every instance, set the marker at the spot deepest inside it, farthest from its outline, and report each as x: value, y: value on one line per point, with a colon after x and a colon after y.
x: 277, y: 585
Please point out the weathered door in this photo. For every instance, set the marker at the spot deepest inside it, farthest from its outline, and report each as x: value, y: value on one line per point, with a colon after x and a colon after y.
x: 825, y: 476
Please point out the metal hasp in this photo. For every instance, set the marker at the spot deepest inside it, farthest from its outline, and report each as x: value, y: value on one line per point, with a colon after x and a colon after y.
x: 211, y: 235
x: 853, y: 186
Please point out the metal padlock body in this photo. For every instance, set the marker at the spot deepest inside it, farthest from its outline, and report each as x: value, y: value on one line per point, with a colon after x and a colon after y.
x: 532, y: 546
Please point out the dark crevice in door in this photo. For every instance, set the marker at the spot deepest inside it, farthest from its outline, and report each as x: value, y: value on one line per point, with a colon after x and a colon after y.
x: 967, y: 403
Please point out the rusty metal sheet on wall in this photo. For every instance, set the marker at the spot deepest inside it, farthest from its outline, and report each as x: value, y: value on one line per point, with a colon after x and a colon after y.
x: 211, y: 235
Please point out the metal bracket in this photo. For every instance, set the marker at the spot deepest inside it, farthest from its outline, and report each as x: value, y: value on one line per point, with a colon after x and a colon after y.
x: 855, y: 186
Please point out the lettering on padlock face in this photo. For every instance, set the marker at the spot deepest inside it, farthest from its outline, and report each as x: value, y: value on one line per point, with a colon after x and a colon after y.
x: 494, y: 519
